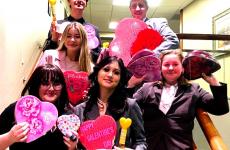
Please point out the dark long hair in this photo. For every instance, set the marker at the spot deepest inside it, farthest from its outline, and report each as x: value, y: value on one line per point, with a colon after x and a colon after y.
x: 44, y: 74
x: 117, y: 101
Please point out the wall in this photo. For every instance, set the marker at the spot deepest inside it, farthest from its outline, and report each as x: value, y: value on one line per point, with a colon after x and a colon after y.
x: 23, y: 29
x: 197, y: 18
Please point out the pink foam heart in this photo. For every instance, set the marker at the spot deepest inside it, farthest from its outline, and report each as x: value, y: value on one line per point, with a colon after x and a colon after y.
x: 77, y: 84
x: 99, y: 133
x: 67, y: 124
x: 41, y: 116
x: 148, y: 65
x: 125, y: 34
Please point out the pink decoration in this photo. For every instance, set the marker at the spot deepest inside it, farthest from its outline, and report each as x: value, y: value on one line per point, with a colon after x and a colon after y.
x: 93, y: 41
x: 125, y: 34
x: 145, y: 63
x: 67, y: 124
x: 77, y: 84
x: 41, y: 116
x: 99, y: 133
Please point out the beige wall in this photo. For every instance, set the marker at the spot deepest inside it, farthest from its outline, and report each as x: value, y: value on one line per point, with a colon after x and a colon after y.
x: 23, y: 29
x: 198, y: 19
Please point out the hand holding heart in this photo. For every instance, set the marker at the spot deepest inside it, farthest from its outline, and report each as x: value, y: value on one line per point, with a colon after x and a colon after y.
x: 18, y: 132
x: 41, y: 116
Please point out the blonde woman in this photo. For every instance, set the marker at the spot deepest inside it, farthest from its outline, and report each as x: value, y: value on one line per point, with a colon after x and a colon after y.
x: 72, y: 52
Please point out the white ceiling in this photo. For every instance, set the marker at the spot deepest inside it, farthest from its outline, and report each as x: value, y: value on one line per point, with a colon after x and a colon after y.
x: 101, y: 12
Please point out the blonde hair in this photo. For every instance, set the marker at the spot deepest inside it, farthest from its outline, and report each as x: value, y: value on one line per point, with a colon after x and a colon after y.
x: 83, y: 57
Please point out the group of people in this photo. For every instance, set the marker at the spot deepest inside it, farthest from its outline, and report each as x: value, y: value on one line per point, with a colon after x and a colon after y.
x: 162, y: 112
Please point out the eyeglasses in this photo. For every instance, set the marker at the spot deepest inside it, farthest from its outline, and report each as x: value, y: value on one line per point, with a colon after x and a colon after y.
x: 140, y: 5
x: 56, y: 86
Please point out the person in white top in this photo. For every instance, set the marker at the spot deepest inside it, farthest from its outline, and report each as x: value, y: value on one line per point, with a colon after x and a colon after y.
x: 72, y: 52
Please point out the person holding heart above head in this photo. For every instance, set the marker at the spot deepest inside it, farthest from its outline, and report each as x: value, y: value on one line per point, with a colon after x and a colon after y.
x: 47, y: 83
x: 108, y: 96
x: 169, y: 106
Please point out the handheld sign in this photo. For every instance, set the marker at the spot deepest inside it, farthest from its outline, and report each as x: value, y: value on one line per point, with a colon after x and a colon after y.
x: 77, y: 84
x: 68, y: 123
x: 41, y: 116
x: 99, y: 133
x: 125, y: 124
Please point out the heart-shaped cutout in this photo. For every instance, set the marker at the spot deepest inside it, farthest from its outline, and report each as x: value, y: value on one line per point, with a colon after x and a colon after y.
x: 68, y: 123
x: 99, y: 133
x: 77, y: 84
x: 145, y: 65
x: 41, y: 116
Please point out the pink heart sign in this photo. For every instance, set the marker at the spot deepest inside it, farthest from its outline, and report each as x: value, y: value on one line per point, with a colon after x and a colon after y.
x: 99, y: 133
x: 77, y: 84
x: 145, y: 63
x: 68, y: 123
x: 41, y: 116
x: 125, y: 34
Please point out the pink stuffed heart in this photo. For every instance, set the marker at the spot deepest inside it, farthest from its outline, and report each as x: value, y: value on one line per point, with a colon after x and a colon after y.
x: 148, y: 65
x: 77, y: 84
x: 41, y: 116
x: 99, y: 133
x: 125, y: 34
x: 68, y: 123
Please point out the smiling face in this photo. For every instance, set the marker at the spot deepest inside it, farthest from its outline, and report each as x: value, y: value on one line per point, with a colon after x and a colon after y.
x: 77, y: 4
x: 138, y: 9
x: 171, y: 68
x: 50, y: 92
x: 109, y: 76
x: 73, y: 40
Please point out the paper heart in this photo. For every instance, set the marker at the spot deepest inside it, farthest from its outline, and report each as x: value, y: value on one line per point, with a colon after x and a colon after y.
x: 77, y: 84
x: 99, y: 133
x: 68, y: 123
x: 41, y: 116
x: 125, y: 122
x: 125, y: 34
x: 197, y: 62
x: 148, y: 65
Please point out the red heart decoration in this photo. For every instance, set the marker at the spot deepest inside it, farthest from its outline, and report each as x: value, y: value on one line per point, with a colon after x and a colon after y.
x: 77, y: 84
x: 144, y: 63
x: 41, y: 116
x: 99, y: 133
x: 125, y: 34
x: 197, y: 62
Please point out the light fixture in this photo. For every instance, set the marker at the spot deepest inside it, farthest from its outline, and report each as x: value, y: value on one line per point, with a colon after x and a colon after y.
x: 113, y: 25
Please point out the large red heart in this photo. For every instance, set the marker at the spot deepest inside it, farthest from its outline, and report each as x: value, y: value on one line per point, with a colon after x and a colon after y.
x: 77, y: 84
x: 99, y: 133
x: 145, y: 63
x: 41, y: 116
x: 125, y: 34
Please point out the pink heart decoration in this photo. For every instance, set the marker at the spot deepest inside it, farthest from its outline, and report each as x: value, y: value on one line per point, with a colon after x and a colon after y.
x: 41, y: 116
x: 125, y: 34
x: 68, y: 123
x: 93, y: 41
x: 77, y: 84
x: 99, y: 133
x: 144, y: 63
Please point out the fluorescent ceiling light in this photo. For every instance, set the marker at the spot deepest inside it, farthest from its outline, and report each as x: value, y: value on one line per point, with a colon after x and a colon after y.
x: 153, y: 3
x: 113, y: 25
